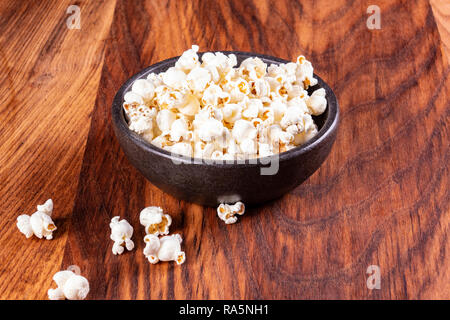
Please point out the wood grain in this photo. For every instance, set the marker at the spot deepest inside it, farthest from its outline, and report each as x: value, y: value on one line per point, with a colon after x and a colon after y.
x: 441, y: 10
x: 381, y: 198
x: 48, y: 86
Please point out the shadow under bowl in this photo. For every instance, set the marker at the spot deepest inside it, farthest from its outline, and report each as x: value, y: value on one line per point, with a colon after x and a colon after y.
x: 252, y: 182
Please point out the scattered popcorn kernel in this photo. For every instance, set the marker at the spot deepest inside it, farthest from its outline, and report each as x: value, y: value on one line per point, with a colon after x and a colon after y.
x: 121, y: 233
x: 74, y: 268
x: 39, y: 223
x: 46, y: 208
x: 70, y: 286
x: 210, y: 108
x: 167, y: 248
x: 155, y: 221
x: 228, y: 212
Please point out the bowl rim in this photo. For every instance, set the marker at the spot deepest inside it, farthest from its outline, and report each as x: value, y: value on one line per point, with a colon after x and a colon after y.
x: 327, y: 129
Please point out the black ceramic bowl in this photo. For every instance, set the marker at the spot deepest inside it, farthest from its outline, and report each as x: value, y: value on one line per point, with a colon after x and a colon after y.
x: 213, y: 183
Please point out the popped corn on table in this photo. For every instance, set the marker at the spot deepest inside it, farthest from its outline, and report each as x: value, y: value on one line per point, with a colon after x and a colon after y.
x: 381, y: 198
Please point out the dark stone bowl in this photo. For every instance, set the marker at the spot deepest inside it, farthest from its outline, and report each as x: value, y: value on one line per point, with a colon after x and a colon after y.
x: 252, y: 182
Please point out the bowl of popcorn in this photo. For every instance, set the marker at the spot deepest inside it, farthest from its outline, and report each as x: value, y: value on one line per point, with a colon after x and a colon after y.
x: 221, y: 127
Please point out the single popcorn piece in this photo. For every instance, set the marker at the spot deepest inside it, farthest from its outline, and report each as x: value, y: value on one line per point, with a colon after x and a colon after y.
x: 188, y: 60
x: 155, y: 221
x: 70, y: 286
x: 244, y: 129
x: 144, y: 88
x: 132, y: 97
x: 211, y: 108
x: 198, y: 79
x: 174, y: 78
x: 228, y: 212
x: 180, y: 131
x: 305, y: 72
x: 39, y: 223
x: 317, y: 103
x: 167, y: 248
x: 165, y: 119
x: 121, y: 233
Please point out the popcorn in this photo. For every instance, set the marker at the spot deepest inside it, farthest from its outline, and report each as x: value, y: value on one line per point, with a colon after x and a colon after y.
x: 198, y: 79
x: 203, y: 150
x: 46, y: 208
x: 305, y: 72
x: 215, y: 75
x: 277, y: 135
x: 212, y: 95
x: 293, y: 116
x: 267, y: 116
x: 232, y: 112
x: 310, y: 130
x: 212, y: 109
x: 279, y: 109
x: 180, y: 130
x: 242, y: 130
x: 217, y: 155
x: 163, y: 140
x: 228, y: 212
x: 167, y: 248
x: 155, y: 221
x: 164, y: 120
x: 208, y: 130
x: 189, y: 105
x: 252, y: 109
x: 174, y: 78
x: 264, y: 149
x: 259, y: 88
x: 132, y: 97
x: 221, y: 62
x: 253, y: 68
x: 188, y: 60
x: 71, y: 286
x: 121, y: 233
x: 183, y: 148
x: 155, y: 79
x: 239, y: 90
x: 39, y: 223
x: 140, y: 118
x: 143, y: 88
x: 317, y: 103
x: 248, y: 147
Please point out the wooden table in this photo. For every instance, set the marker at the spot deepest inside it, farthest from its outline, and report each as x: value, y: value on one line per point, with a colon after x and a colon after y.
x: 381, y: 198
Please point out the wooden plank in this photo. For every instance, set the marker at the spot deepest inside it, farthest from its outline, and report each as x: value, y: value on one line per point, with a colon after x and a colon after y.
x: 384, y: 202
x: 48, y: 84
x: 381, y: 198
